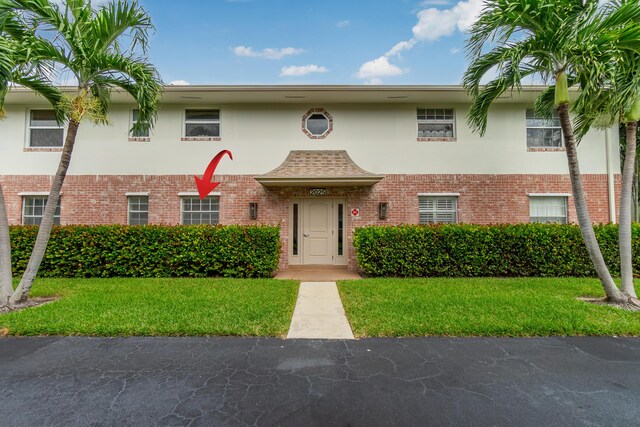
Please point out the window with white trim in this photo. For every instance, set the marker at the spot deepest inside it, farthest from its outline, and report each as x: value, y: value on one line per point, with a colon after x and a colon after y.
x: 44, y: 130
x: 317, y: 124
x: 436, y: 123
x: 33, y: 210
x: 138, y: 210
x: 202, y: 123
x: 134, y: 119
x: 438, y: 209
x: 548, y: 209
x: 543, y: 133
x: 196, y: 211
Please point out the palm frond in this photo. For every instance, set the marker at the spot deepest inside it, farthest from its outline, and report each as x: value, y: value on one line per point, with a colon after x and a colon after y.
x: 89, y: 43
x: 44, y: 88
x: 509, y: 79
x: 116, y: 19
x: 136, y: 76
x: 6, y: 67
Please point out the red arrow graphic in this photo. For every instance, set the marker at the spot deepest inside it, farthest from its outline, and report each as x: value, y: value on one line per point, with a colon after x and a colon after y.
x: 204, y: 184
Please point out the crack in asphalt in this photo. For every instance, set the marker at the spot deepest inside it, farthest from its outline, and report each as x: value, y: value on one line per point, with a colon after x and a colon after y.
x: 266, y: 381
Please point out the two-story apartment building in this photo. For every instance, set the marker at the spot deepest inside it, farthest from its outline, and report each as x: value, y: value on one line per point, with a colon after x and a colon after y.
x: 317, y: 160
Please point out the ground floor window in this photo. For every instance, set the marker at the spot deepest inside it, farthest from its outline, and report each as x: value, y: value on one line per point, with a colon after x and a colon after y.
x: 438, y: 209
x: 33, y: 210
x: 196, y: 211
x: 548, y: 209
x: 138, y: 210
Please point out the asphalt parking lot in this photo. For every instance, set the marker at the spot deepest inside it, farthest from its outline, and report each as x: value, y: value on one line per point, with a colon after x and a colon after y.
x: 369, y: 382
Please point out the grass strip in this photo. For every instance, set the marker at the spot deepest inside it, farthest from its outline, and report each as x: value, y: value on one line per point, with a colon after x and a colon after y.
x: 481, y: 307
x: 157, y: 307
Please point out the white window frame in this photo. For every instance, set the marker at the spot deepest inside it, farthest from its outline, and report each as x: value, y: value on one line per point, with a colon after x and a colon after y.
x: 26, y: 196
x: 449, y: 196
x: 563, y: 196
x: 130, y: 196
x: 196, y: 195
x: 318, y: 135
x: 207, y: 122
x: 549, y: 125
x: 132, y: 122
x: 451, y: 121
x: 29, y: 128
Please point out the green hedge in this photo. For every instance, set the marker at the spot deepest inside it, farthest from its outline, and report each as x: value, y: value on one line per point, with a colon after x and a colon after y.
x: 462, y: 250
x: 152, y: 251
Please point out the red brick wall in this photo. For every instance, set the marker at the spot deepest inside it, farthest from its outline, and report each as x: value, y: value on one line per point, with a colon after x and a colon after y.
x: 484, y: 199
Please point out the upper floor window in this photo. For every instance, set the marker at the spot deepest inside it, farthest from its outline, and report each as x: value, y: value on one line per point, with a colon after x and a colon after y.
x: 438, y: 209
x: 44, y: 130
x: 139, y: 134
x: 317, y: 123
x: 543, y: 133
x: 548, y: 209
x: 138, y: 210
x: 33, y: 210
x: 196, y: 211
x: 202, y: 124
x: 437, y: 123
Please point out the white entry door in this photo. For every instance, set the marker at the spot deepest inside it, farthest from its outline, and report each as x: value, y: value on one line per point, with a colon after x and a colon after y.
x: 317, y: 231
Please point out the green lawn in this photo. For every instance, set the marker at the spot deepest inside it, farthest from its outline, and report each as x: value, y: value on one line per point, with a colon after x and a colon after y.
x: 250, y: 307
x: 481, y: 307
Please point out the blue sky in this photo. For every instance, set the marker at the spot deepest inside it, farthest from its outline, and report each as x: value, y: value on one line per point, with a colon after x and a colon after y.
x: 310, y: 42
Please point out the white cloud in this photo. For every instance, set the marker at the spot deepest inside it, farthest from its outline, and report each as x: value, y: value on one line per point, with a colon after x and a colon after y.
x: 179, y: 83
x: 342, y: 24
x: 268, y: 53
x: 374, y: 81
x: 302, y: 70
x: 379, y: 67
x: 400, y: 46
x: 454, y: 50
x: 434, y: 3
x: 434, y: 23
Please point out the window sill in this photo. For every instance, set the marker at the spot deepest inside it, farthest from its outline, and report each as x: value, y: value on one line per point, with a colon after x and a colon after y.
x: 544, y: 149
x: 201, y: 138
x: 312, y: 136
x: 139, y: 139
x: 436, y: 139
x: 42, y: 149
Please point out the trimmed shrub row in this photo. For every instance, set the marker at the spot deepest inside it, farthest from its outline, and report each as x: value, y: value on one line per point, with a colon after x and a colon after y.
x: 462, y: 250
x: 152, y: 251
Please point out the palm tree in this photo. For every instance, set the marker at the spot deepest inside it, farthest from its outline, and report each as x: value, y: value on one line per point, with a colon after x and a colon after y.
x: 618, y: 99
x: 6, y: 286
x: 86, y: 42
x: 561, y: 41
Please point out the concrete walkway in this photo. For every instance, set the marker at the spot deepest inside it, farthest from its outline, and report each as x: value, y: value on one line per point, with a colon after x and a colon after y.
x: 317, y: 273
x: 319, y: 313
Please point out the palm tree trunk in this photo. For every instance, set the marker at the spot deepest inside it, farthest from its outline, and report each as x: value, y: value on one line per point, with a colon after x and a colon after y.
x: 624, y: 230
x: 6, y: 277
x: 584, y: 220
x: 44, y: 232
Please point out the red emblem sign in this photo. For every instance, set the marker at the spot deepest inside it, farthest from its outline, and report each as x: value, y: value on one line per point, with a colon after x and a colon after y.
x: 355, y: 212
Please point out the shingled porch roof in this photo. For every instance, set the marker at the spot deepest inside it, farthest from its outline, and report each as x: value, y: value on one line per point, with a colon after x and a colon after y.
x: 318, y: 167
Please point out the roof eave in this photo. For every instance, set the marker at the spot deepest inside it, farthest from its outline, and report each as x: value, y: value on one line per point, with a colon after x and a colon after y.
x: 340, y: 181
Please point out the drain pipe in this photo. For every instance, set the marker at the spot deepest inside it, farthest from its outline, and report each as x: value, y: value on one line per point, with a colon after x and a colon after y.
x: 610, y: 177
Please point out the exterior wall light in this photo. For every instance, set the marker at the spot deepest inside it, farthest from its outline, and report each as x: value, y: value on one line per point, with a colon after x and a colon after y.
x: 253, y: 211
x: 382, y: 210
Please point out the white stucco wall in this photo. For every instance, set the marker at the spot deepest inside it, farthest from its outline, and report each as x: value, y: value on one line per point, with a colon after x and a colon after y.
x: 381, y: 138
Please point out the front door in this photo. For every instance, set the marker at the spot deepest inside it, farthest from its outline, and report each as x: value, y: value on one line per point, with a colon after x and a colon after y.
x: 317, y: 230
